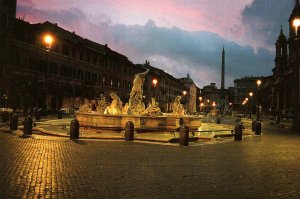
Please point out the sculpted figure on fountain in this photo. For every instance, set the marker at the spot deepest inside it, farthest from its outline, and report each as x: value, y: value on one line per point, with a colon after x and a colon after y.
x: 116, y: 105
x: 101, y: 104
x: 86, y: 107
x: 177, y: 107
x: 153, y: 109
x: 136, y: 105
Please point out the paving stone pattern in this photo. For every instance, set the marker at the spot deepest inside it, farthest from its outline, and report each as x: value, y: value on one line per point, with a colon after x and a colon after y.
x: 266, y: 166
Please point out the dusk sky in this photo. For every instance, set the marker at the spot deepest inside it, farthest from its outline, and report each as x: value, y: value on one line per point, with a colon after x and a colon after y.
x: 178, y: 36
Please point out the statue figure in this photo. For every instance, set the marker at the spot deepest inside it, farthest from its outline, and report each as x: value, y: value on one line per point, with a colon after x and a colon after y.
x: 153, y: 109
x: 101, y: 104
x: 136, y: 106
x: 177, y: 107
x: 86, y: 107
x: 116, y: 105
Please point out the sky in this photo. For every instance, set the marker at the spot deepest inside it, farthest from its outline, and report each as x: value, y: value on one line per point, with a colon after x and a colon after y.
x: 178, y: 36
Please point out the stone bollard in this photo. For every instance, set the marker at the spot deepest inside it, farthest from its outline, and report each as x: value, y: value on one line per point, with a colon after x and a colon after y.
x: 258, y: 128
x: 5, y: 116
x: 238, y: 132
x: 74, y: 129
x: 59, y: 114
x: 184, y: 135
x: 13, y: 121
x: 27, y: 125
x: 37, y: 115
x: 253, y: 125
x: 277, y: 119
x: 129, y: 131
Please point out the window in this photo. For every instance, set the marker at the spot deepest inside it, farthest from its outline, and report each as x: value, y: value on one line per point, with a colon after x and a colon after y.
x: 3, y: 20
x: 65, y: 50
x: 111, y: 82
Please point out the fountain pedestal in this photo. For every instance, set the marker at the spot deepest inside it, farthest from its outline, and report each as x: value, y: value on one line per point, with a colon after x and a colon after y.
x: 141, y: 123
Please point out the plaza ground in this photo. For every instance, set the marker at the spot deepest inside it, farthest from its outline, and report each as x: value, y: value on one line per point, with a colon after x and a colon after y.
x: 47, y: 166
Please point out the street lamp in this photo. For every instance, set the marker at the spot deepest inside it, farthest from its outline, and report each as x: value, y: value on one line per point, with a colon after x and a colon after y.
x: 258, y: 83
x: 296, y: 24
x: 250, y: 94
x: 200, y: 101
x: 184, y: 95
x: 48, y: 41
x: 154, y: 82
x: 208, y: 105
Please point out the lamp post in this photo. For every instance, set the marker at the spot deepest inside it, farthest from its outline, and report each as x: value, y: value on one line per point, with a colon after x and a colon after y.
x: 296, y: 46
x: 250, y: 95
x: 208, y: 105
x: 48, y: 41
x: 184, y: 95
x: 154, y: 83
x: 200, y: 102
x: 258, y: 83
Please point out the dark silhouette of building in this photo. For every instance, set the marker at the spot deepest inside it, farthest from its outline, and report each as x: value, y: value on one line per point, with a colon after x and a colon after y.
x: 285, y: 79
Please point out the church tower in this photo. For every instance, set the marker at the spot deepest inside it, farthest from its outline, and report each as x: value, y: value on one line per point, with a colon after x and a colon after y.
x: 281, y: 58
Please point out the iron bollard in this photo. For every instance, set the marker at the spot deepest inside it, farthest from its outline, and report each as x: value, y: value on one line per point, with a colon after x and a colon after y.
x: 5, y: 116
x: 184, y: 135
x: 218, y: 120
x: 37, y: 115
x: 253, y: 125
x: 27, y: 125
x: 13, y: 121
x: 74, y: 129
x: 59, y: 114
x: 277, y: 119
x: 258, y: 128
x: 238, y: 132
x: 129, y: 131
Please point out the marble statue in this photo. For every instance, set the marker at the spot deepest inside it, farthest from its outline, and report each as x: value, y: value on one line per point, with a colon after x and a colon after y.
x: 177, y: 107
x: 116, y: 105
x: 86, y: 107
x: 101, y: 104
x: 136, y: 106
x: 153, y: 109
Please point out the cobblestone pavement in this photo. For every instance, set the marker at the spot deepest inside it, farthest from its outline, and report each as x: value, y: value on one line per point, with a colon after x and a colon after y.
x: 266, y: 166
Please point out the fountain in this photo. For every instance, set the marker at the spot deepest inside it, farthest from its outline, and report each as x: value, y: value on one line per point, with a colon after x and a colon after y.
x: 114, y: 117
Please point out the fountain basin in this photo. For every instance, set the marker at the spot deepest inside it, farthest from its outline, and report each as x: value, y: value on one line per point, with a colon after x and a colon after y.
x: 141, y: 123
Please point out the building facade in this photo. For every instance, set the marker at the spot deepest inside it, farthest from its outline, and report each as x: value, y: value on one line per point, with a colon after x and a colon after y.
x: 286, y: 81
x: 68, y: 69
x: 242, y: 89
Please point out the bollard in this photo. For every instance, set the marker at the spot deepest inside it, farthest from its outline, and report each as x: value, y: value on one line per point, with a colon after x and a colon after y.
x: 184, y: 135
x: 59, y: 114
x: 13, y: 121
x: 253, y: 125
x: 129, y: 131
x: 258, y: 128
x: 277, y: 119
x: 37, y: 115
x: 218, y: 120
x: 5, y: 116
x: 74, y: 129
x: 27, y: 125
x: 238, y: 132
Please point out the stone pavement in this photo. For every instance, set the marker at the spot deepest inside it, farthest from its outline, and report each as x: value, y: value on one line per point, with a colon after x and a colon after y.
x: 264, y: 166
